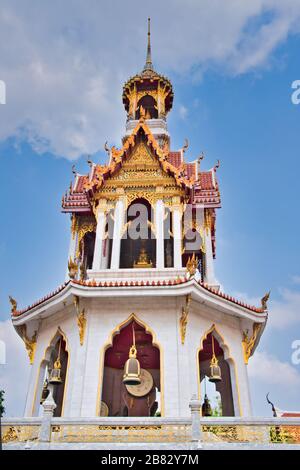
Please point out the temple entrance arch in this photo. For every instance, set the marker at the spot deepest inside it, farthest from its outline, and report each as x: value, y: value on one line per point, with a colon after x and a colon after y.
x: 138, y: 244
x: 222, y: 394
x: 57, y: 347
x: 116, y: 398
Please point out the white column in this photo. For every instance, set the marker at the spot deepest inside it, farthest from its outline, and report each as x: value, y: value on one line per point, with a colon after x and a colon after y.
x: 159, y: 225
x: 177, y: 236
x: 118, y: 225
x: 101, y: 222
x: 209, y: 261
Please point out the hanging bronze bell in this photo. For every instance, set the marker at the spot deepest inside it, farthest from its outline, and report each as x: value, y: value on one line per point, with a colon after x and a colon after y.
x: 55, y: 376
x: 215, y: 370
x: 132, y: 369
x: 45, y: 392
x: 206, y: 408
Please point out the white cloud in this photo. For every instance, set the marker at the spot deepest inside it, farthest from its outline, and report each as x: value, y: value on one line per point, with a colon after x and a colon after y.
x: 183, y: 111
x: 64, y: 64
x: 296, y: 279
x: 284, y: 311
x: 14, y: 374
x: 268, y: 369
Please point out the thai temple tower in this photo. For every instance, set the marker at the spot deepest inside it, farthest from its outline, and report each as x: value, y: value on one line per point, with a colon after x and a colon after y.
x: 140, y: 321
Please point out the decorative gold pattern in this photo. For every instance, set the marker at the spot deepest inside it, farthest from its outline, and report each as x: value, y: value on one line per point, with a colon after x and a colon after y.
x: 248, y: 343
x: 191, y: 265
x: 85, y: 225
x: 289, y: 434
x: 81, y: 319
x: 22, y: 433
x: 81, y: 322
x: 184, y: 318
x: 72, y: 268
x: 30, y: 344
x: 207, y: 220
x: 74, y: 225
x: 123, y: 433
x: 181, y: 432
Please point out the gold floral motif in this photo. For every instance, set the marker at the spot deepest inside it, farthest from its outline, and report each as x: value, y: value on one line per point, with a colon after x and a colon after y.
x: 81, y: 319
x: 81, y: 322
x: 252, y: 433
x: 10, y: 435
x: 30, y: 344
x: 86, y: 225
x: 207, y: 220
x: 123, y: 433
x: 184, y: 318
x: 22, y: 433
x: 74, y: 225
x: 249, y: 342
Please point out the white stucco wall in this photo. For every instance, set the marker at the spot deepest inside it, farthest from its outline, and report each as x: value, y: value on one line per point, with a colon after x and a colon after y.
x: 179, y: 363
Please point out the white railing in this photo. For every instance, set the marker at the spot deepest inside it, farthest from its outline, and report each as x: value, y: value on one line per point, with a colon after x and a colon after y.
x: 151, y: 430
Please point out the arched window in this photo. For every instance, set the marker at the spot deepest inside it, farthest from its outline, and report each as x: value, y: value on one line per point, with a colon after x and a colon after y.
x: 57, y: 348
x: 119, y: 399
x: 148, y: 104
x: 138, y: 244
x: 222, y: 388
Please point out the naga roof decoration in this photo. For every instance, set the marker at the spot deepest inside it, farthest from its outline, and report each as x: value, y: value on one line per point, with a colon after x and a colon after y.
x: 201, y: 187
x: 119, y: 156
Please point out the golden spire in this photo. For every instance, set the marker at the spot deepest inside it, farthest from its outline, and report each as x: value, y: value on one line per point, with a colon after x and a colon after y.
x: 148, y: 64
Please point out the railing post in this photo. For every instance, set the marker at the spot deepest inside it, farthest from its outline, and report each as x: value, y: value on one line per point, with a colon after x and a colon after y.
x: 49, y: 407
x: 195, y: 406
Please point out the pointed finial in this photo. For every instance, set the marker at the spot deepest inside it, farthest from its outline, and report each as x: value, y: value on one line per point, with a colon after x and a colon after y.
x: 148, y: 64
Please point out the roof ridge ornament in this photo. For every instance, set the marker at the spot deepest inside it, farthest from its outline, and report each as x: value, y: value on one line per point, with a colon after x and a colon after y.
x: 148, y: 64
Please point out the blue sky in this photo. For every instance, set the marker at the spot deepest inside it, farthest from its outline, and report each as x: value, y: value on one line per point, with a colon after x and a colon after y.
x: 233, y: 104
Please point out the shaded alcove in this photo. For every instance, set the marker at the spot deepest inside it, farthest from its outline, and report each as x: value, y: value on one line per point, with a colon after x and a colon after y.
x: 138, y: 235
x: 168, y: 239
x: 193, y: 243
x: 87, y: 249
x: 148, y: 103
x: 117, y: 399
x: 57, y: 348
x: 224, y: 387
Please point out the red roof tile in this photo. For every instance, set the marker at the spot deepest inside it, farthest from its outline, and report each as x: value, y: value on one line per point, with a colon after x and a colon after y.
x: 206, y: 180
x: 175, y: 159
x: 191, y: 170
x: 137, y: 283
x: 79, y: 186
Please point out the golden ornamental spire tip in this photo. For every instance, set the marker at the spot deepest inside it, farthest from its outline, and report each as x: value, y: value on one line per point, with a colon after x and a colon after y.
x: 148, y: 64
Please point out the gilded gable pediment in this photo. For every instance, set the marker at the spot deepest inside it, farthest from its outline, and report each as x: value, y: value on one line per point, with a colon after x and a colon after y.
x: 141, y: 168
